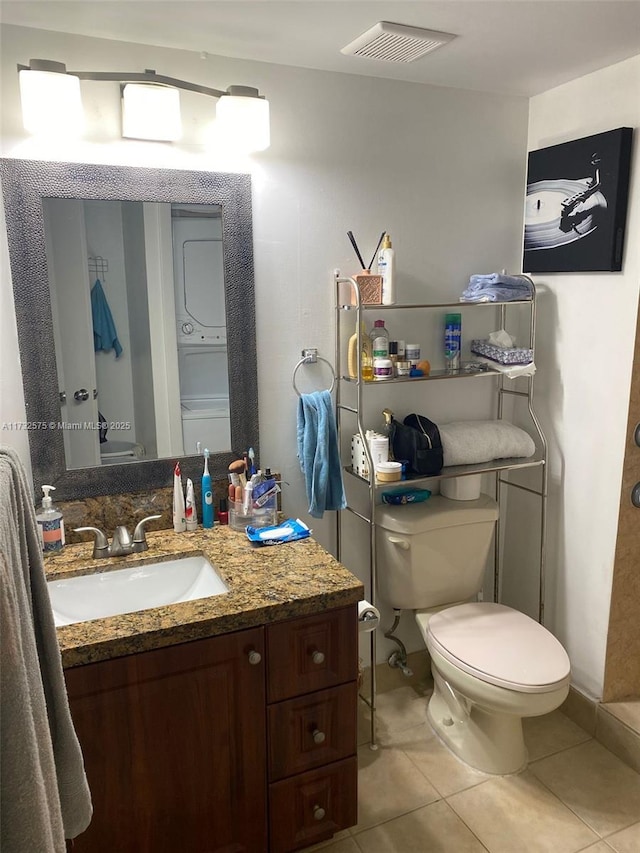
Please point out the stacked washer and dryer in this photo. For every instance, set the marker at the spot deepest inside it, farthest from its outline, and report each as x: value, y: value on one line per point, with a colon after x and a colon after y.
x: 201, y: 326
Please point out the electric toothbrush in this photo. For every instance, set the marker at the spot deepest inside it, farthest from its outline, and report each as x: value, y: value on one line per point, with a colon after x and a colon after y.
x: 207, y: 494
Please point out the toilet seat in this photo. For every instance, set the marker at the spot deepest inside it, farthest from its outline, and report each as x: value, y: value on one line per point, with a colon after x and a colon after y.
x: 498, y: 645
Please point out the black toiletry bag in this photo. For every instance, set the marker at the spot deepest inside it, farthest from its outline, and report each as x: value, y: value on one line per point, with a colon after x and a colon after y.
x: 418, y: 441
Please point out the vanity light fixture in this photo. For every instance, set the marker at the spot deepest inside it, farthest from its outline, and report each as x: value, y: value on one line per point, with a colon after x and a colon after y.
x: 150, y: 104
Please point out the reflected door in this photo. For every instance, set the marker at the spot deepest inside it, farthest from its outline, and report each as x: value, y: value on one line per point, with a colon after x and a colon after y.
x: 73, y: 329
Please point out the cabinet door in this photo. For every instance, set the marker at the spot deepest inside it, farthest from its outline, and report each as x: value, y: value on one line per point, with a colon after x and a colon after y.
x: 312, y: 730
x: 312, y: 653
x: 174, y: 747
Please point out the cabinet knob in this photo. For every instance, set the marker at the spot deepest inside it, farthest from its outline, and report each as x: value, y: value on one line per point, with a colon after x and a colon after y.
x: 318, y: 812
x: 318, y: 736
x: 254, y: 657
x: 318, y: 657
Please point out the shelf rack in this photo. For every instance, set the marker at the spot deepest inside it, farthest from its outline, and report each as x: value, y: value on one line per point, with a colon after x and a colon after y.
x: 497, y: 467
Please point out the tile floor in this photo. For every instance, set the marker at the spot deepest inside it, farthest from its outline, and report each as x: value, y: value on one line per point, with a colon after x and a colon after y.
x: 414, y: 795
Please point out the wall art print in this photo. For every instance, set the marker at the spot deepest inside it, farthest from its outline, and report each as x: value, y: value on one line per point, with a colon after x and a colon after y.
x: 576, y: 205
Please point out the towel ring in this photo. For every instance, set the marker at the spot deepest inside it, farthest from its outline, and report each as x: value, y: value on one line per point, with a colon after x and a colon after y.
x: 310, y: 356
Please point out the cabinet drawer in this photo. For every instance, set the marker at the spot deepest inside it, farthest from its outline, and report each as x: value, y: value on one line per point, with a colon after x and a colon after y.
x: 312, y: 653
x: 312, y: 730
x: 312, y: 806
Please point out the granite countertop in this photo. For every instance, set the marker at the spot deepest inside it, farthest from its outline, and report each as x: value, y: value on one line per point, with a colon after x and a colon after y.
x: 266, y: 584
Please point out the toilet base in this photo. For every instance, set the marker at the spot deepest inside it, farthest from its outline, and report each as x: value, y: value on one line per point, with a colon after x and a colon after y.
x: 491, y: 742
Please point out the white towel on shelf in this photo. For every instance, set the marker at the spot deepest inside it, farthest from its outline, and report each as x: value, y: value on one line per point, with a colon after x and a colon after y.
x: 472, y: 442
x: 45, y: 796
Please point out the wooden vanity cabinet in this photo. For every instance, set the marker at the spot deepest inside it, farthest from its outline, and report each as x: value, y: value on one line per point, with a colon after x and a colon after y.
x: 312, y: 695
x: 244, y: 742
x: 174, y: 747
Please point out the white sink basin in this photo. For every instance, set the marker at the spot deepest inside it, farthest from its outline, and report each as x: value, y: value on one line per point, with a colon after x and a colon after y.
x: 94, y: 596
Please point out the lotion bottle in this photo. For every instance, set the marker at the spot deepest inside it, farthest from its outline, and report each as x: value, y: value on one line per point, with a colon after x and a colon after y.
x: 179, y: 520
x: 386, y: 268
x: 50, y: 523
x: 191, y: 514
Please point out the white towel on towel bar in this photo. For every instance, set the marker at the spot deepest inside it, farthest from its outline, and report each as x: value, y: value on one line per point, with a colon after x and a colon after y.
x: 472, y: 442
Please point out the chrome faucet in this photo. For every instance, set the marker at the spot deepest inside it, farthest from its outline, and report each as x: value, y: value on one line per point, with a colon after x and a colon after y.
x: 122, y: 542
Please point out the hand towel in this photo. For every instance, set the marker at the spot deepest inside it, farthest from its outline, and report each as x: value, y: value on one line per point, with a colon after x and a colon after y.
x: 497, y: 287
x: 318, y: 453
x: 471, y: 442
x: 105, y: 336
x: 45, y: 796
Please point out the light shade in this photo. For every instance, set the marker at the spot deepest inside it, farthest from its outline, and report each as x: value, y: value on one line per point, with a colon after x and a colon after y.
x: 244, y: 122
x: 150, y: 111
x: 51, y: 103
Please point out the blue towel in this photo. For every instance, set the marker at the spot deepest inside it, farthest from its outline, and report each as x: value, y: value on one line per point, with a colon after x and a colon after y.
x: 105, y: 336
x: 318, y: 453
x: 496, y: 287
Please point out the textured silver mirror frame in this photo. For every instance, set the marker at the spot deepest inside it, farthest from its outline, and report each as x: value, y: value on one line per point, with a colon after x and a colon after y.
x: 25, y: 183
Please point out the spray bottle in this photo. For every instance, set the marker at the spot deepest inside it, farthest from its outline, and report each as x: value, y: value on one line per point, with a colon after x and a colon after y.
x: 207, y: 494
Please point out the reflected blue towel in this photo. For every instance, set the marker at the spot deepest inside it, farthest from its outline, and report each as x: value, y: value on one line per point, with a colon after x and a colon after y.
x: 105, y: 336
x: 318, y: 453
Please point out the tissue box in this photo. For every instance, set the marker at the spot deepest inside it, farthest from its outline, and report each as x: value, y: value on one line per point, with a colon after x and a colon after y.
x: 503, y: 355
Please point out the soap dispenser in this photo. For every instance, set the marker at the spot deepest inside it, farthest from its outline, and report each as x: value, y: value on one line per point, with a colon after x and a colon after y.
x: 50, y: 523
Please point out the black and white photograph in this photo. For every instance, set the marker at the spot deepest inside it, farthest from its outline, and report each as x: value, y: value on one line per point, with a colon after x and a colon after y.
x: 576, y: 204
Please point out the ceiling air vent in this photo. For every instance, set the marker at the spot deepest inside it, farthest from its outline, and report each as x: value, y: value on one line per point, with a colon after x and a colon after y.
x: 396, y: 42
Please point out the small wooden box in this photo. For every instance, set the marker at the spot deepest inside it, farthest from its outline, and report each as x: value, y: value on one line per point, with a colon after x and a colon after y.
x: 370, y: 287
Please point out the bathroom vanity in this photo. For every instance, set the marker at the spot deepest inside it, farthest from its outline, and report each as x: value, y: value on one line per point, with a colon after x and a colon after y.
x: 224, y: 723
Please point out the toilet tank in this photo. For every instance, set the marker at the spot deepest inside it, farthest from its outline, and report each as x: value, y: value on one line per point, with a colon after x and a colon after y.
x: 433, y: 553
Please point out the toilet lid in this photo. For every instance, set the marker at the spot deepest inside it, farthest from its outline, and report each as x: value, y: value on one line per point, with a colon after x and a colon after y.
x: 499, y: 645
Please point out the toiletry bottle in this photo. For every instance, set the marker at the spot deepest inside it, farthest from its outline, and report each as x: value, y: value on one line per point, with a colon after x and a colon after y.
x: 366, y: 359
x: 223, y: 512
x: 207, y: 494
x: 452, y: 341
x: 190, y: 512
x: 50, y: 523
x: 386, y: 268
x: 179, y: 520
x: 379, y: 340
x: 352, y: 351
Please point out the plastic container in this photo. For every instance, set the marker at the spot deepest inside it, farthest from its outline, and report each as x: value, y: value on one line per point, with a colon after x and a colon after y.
x: 382, y: 368
x: 50, y: 523
x: 379, y: 340
x: 452, y: 341
x: 403, y: 368
x: 412, y: 353
x: 388, y: 472
x: 386, y: 268
x: 263, y: 516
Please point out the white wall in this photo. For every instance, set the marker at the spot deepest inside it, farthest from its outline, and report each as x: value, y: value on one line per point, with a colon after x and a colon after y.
x: 586, y: 335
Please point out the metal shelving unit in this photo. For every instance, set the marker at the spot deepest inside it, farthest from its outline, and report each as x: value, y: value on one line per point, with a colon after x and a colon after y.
x: 498, y: 467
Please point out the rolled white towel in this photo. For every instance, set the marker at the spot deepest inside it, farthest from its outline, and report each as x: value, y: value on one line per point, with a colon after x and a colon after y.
x: 472, y: 442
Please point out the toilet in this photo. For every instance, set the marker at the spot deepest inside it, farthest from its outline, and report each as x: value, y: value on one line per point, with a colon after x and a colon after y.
x: 491, y: 664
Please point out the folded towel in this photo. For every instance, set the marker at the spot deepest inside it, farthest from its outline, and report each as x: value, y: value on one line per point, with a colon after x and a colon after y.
x: 497, y: 287
x: 471, y: 442
x: 511, y: 371
x: 45, y: 796
x: 105, y: 336
x: 318, y: 453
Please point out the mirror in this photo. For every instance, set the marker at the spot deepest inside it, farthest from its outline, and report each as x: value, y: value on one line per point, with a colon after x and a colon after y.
x: 168, y: 255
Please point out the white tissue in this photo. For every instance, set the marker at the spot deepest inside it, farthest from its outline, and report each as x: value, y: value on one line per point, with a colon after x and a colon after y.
x: 368, y: 617
x: 502, y: 339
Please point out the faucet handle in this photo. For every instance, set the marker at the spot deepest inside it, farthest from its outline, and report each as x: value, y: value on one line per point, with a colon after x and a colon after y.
x: 139, y: 537
x: 100, y: 544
